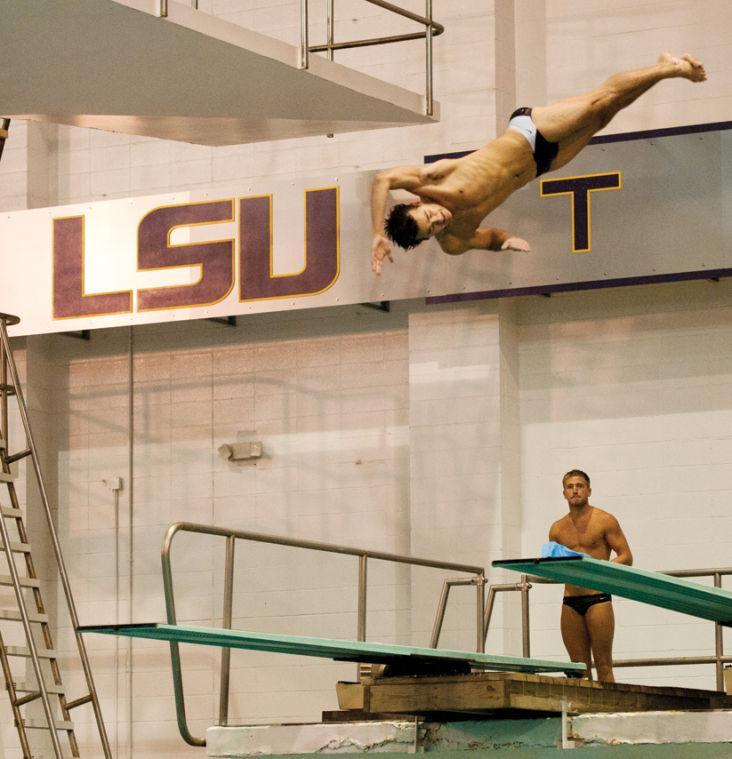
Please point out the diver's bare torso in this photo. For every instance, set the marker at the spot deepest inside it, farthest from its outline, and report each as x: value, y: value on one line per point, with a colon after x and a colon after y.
x: 472, y: 186
x: 586, y: 533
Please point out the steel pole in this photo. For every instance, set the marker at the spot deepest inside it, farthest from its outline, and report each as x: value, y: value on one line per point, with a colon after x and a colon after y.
x: 525, y: 632
x: 330, y: 22
x: 304, y: 31
x: 226, y: 652
x: 428, y: 41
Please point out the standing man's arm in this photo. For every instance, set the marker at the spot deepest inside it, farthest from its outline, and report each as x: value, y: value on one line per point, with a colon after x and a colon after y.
x: 618, y: 542
x: 554, y: 532
x: 402, y: 177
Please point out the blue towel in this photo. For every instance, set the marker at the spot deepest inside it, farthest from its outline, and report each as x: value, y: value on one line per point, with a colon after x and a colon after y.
x: 554, y: 550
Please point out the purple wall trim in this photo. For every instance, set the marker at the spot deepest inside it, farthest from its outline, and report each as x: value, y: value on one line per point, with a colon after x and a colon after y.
x: 572, y: 286
x: 718, y: 126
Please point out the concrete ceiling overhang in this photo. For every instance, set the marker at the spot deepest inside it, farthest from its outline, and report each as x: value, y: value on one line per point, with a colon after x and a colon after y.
x: 116, y: 65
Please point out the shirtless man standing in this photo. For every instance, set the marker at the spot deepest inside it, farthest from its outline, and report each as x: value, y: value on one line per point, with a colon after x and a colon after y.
x: 588, y: 623
x: 455, y: 195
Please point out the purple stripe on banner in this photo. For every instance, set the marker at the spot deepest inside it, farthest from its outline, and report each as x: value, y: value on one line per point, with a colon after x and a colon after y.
x: 572, y: 286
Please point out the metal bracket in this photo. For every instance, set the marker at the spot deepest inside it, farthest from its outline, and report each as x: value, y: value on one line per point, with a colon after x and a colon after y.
x: 227, y: 321
x: 384, y: 305
x: 82, y: 334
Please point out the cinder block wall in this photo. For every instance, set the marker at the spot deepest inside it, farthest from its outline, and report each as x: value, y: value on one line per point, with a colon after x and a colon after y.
x: 431, y: 431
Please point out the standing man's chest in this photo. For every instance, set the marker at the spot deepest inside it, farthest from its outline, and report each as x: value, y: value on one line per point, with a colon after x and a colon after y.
x: 585, y: 532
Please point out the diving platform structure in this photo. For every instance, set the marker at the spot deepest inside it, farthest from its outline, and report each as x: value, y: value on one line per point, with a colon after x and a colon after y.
x: 430, y: 683
x: 160, y: 68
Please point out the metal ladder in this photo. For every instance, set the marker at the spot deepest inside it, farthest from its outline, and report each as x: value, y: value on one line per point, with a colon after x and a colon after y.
x: 30, y: 611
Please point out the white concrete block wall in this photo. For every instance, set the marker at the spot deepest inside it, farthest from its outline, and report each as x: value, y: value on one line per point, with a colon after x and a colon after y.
x: 454, y: 455
x: 464, y: 463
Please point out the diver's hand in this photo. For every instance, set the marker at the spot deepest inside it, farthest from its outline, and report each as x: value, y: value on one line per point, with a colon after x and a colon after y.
x: 516, y: 243
x: 380, y: 249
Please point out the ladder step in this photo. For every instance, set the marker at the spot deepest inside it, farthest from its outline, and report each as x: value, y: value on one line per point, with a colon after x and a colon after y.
x: 41, y: 724
x: 79, y: 702
x: 43, y: 653
x: 7, y: 477
x: 12, y: 458
x: 9, y: 389
x: 26, y: 582
x: 23, y: 687
x: 17, y: 547
x: 14, y: 615
x: 10, y: 513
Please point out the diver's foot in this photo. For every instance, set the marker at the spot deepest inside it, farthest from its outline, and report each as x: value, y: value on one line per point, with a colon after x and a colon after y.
x: 686, y: 67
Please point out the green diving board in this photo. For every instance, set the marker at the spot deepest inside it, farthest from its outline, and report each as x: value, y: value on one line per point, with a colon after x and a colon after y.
x: 330, y: 648
x: 641, y: 585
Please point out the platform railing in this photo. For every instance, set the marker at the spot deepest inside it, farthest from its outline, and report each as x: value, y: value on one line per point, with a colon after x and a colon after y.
x: 431, y: 30
x: 232, y: 536
x: 718, y: 659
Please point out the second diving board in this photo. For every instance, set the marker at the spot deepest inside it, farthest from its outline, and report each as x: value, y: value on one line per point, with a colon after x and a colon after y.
x: 653, y: 588
x: 331, y: 648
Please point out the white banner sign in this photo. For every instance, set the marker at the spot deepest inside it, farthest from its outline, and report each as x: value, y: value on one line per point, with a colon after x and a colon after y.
x: 630, y: 211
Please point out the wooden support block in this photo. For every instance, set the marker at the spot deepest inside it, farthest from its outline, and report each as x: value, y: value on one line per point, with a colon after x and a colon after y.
x: 492, y: 691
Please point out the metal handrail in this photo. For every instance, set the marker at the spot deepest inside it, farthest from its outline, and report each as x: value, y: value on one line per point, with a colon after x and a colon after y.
x: 232, y: 535
x: 718, y: 659
x: 432, y: 29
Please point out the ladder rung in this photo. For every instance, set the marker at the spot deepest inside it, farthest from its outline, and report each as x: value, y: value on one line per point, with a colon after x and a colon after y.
x: 12, y: 458
x: 5, y: 388
x: 7, y: 477
x: 14, y: 615
x: 23, y: 687
x: 43, y: 653
x: 79, y: 701
x: 26, y: 582
x: 30, y: 696
x: 41, y: 724
x: 17, y: 547
x: 11, y: 513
